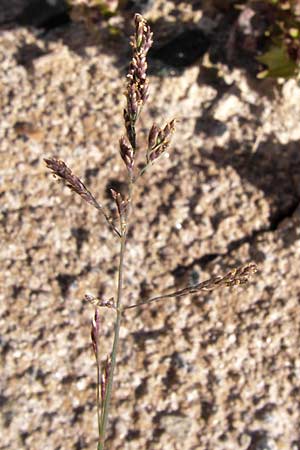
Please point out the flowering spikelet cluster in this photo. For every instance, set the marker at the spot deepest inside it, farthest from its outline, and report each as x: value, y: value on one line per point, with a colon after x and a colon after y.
x: 137, y: 82
x: 127, y: 154
x: 121, y: 205
x: 235, y: 277
x: 61, y: 170
x: 136, y: 96
x: 100, y: 302
x: 159, y: 140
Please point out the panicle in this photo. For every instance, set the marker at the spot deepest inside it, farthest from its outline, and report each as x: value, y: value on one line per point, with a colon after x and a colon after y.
x: 137, y: 82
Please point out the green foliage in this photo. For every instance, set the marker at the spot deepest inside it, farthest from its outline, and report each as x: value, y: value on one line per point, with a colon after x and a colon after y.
x: 278, y: 62
x: 282, y: 57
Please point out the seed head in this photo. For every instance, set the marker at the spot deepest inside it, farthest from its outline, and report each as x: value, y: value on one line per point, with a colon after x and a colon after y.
x: 137, y: 82
x: 61, y: 170
x: 142, y: 39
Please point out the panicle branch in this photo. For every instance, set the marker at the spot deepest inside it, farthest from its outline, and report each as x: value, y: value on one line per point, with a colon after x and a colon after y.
x: 100, y: 302
x: 235, y: 277
x: 61, y: 170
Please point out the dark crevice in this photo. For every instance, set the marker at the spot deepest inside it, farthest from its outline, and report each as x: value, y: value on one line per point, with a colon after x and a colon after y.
x: 80, y: 444
x: 137, y: 6
x: 116, y: 185
x: 133, y: 435
x: 207, y: 410
x: 142, y: 389
x: 90, y: 174
x: 25, y: 56
x: 77, y: 413
x: 182, y: 51
x: 141, y: 336
x: 81, y: 236
x: 17, y: 290
x: 65, y: 281
x: 280, y: 216
x: 3, y: 400
x: 259, y: 440
x: 42, y: 14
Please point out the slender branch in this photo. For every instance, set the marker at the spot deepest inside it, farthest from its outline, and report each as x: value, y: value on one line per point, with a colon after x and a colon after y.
x: 147, y: 166
x: 233, y: 278
x: 142, y: 171
x: 108, y: 219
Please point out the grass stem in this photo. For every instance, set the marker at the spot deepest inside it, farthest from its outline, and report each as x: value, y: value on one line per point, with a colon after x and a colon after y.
x: 108, y: 394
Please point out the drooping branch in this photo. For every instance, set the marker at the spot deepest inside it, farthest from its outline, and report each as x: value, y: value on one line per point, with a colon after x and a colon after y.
x: 61, y: 170
x: 235, y: 277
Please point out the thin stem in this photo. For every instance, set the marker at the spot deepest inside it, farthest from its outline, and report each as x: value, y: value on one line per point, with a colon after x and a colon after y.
x: 119, y: 309
x: 107, y: 399
x: 98, y: 390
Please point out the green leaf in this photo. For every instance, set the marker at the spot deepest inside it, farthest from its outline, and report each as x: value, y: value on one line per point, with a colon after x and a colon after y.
x: 278, y: 62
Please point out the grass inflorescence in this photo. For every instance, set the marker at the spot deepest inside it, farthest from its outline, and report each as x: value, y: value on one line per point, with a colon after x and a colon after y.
x: 159, y: 140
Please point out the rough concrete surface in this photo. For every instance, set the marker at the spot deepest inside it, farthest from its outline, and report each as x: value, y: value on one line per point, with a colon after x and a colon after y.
x: 216, y: 371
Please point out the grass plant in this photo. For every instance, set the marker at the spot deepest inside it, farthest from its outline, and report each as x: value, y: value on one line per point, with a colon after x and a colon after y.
x: 159, y: 140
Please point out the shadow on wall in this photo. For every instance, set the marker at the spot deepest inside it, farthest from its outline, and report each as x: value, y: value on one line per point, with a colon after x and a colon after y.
x: 273, y: 168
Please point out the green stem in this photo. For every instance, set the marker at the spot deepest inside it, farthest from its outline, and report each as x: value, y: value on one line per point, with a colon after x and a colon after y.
x: 98, y: 389
x: 119, y: 309
x: 106, y: 404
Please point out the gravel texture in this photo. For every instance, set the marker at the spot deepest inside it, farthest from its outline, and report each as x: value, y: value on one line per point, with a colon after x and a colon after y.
x: 220, y: 371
